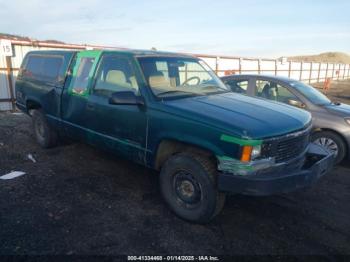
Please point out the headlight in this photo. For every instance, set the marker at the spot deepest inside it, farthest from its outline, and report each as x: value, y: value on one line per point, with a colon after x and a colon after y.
x: 347, y: 120
x: 250, y: 153
x: 256, y: 152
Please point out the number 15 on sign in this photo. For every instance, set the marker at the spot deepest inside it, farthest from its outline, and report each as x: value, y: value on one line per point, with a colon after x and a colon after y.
x: 5, y: 48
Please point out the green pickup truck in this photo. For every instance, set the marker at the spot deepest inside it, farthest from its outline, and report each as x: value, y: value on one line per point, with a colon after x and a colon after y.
x: 170, y: 112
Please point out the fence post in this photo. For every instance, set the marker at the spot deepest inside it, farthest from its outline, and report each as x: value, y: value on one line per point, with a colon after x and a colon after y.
x: 319, y: 72
x: 301, y: 71
x: 344, y: 71
x: 259, y: 66
x: 289, y: 68
x: 338, y: 72
x: 275, y: 67
x: 310, y: 74
x: 217, y: 65
x: 9, y: 81
x: 326, y: 71
x: 333, y: 71
x: 348, y: 70
x: 240, y: 65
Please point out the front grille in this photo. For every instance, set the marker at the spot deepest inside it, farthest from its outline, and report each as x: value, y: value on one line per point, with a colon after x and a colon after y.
x: 286, y: 147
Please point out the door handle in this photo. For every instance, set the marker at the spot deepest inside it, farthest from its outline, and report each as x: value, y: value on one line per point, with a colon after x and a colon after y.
x: 90, y: 106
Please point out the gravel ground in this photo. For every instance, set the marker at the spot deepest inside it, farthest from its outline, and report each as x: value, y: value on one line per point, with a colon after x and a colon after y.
x: 79, y: 200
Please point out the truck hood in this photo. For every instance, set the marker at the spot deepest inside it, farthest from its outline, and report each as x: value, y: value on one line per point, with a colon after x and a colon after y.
x: 243, y: 116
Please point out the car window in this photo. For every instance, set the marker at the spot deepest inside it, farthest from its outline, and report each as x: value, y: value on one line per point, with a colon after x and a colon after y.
x: 81, y: 80
x: 237, y: 86
x: 115, y: 74
x: 34, y: 66
x: 46, y: 68
x: 273, y: 91
x: 51, y: 67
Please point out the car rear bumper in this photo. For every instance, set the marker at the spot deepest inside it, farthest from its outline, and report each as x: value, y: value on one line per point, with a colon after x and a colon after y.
x: 280, y: 178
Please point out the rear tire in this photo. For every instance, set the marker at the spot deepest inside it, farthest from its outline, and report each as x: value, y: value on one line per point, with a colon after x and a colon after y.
x: 334, y: 141
x: 45, y: 135
x: 188, y: 186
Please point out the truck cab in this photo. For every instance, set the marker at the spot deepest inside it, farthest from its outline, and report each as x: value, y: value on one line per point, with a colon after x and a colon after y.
x: 170, y: 112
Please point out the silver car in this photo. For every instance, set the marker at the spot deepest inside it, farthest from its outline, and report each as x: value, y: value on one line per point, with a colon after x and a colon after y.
x: 331, y: 120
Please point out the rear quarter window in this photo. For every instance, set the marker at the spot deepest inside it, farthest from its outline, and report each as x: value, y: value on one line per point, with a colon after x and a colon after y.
x: 45, y: 68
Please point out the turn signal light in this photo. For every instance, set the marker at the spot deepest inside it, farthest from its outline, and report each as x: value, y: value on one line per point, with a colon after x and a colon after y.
x: 246, y: 153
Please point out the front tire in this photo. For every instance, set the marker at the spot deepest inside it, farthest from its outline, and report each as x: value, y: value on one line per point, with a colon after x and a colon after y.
x: 188, y: 186
x: 332, y: 142
x: 45, y: 135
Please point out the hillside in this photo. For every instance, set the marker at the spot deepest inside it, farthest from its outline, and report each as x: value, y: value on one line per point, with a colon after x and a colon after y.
x: 25, y: 38
x: 330, y: 57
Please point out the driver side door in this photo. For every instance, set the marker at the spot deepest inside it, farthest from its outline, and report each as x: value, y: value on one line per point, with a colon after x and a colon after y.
x: 120, y: 128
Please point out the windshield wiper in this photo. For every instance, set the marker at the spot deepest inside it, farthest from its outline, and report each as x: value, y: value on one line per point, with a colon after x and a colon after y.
x: 177, y: 91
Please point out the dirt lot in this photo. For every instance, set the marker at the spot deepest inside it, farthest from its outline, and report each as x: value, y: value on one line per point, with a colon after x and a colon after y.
x: 79, y: 200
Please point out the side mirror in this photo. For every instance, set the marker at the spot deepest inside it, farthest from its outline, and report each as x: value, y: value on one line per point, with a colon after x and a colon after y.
x: 125, y: 98
x: 296, y: 103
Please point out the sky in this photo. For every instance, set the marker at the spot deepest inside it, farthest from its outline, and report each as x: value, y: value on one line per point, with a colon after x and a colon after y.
x: 248, y: 28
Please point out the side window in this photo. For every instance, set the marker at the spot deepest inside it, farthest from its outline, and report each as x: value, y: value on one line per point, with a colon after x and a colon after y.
x: 33, y: 66
x: 262, y: 88
x: 51, y: 67
x: 284, y: 95
x: 115, y: 74
x: 81, y: 80
x: 238, y: 86
x: 273, y: 91
x: 46, y: 68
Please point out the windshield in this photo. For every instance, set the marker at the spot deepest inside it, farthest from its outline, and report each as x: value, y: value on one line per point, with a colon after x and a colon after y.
x: 311, y: 93
x: 177, y: 76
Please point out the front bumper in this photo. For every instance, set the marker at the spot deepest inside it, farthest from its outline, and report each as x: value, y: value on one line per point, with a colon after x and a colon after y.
x: 281, y: 178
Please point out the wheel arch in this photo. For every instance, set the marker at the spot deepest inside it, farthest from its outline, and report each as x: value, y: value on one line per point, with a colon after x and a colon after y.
x: 168, y: 147
x: 32, y: 104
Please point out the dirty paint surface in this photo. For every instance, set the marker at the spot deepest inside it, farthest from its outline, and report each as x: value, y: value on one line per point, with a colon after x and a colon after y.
x: 234, y: 166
